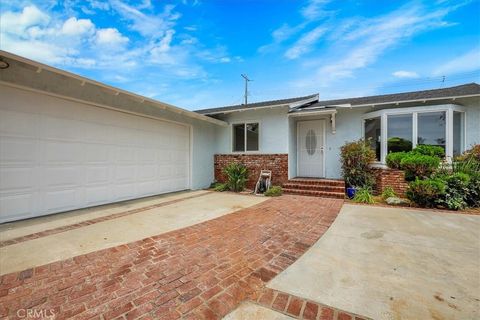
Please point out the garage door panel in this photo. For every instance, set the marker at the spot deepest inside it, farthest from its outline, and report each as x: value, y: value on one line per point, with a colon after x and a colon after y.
x: 16, y: 206
x: 59, y: 155
x: 18, y: 124
x: 96, y: 153
x: 60, y: 200
x: 97, y: 174
x: 62, y: 152
x: 18, y: 151
x: 63, y: 177
x: 16, y: 179
x: 97, y: 195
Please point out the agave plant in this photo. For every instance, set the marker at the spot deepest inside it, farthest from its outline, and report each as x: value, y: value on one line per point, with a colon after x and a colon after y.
x: 237, y: 176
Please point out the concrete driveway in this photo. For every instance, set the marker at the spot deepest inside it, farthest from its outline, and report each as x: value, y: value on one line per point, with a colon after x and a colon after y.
x: 386, y: 263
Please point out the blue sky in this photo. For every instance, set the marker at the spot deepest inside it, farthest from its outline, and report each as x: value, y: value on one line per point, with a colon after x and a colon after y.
x: 191, y: 53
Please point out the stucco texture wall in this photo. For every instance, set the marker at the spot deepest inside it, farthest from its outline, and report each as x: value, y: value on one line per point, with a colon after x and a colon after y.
x: 273, y: 129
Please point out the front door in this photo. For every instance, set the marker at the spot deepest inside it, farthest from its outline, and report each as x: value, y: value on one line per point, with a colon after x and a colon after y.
x: 310, y: 140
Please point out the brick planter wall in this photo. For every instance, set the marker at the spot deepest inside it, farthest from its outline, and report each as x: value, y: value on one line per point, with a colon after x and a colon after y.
x: 278, y: 163
x: 392, y: 178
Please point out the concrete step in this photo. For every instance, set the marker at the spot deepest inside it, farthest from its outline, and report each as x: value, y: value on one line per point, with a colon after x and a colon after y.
x: 314, y: 187
x: 338, y: 195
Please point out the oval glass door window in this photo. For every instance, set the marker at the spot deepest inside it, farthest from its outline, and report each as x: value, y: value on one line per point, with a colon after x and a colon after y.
x: 311, y: 142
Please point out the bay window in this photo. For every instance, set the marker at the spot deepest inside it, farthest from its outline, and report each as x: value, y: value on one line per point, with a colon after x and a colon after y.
x: 245, y: 137
x: 402, y: 129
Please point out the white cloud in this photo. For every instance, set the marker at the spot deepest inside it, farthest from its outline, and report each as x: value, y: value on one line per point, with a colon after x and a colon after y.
x: 17, y: 23
x: 405, y: 74
x: 315, y: 9
x: 304, y: 44
x: 110, y: 36
x: 74, y: 27
x: 153, y: 26
x: 373, y: 37
x: 464, y: 63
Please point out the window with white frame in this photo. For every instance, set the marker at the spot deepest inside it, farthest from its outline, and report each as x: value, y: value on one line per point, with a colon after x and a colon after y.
x: 402, y: 129
x: 245, y: 136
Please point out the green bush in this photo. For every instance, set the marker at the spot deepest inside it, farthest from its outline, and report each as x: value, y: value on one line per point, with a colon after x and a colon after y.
x: 426, y: 193
x: 220, y: 187
x: 429, y: 150
x: 356, y: 159
x: 456, y: 191
x: 418, y: 165
x: 364, y: 195
x: 473, y: 195
x: 395, y: 158
x: 472, y: 153
x: 388, y: 192
x: 237, y: 176
x: 274, y: 191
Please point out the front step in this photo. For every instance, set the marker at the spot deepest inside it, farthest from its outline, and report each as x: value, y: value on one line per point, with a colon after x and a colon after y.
x: 315, y: 187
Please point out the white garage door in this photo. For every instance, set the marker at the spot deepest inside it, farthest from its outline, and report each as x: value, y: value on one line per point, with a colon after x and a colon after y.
x: 57, y: 155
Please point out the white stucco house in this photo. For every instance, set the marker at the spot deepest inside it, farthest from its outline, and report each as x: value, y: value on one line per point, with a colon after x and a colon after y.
x: 69, y: 142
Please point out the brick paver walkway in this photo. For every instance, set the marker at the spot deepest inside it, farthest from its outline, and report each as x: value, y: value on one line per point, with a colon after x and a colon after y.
x: 200, y: 272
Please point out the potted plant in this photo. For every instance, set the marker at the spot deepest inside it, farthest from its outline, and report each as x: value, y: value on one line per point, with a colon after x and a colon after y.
x: 356, y: 170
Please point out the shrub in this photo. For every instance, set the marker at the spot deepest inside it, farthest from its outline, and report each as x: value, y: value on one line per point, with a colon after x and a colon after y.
x: 395, y: 158
x: 220, y: 187
x: 472, y: 153
x: 419, y: 166
x: 426, y: 193
x: 388, y: 192
x: 356, y: 159
x: 274, y: 191
x: 473, y: 195
x: 364, y: 195
x: 456, y: 191
x: 237, y: 176
x: 429, y: 150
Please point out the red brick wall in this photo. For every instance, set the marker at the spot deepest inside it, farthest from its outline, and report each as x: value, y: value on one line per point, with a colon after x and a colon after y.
x: 392, y: 178
x: 278, y: 163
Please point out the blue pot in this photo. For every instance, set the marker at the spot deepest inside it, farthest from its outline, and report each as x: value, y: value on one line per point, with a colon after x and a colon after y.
x: 351, y: 192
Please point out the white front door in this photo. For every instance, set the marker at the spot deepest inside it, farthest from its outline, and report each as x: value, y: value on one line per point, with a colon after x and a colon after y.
x: 310, y: 141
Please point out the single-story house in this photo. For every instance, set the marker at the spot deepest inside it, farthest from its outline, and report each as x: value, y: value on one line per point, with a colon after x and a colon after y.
x: 69, y: 142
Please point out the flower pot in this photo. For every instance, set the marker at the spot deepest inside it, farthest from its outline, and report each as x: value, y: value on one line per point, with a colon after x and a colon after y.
x: 351, y: 192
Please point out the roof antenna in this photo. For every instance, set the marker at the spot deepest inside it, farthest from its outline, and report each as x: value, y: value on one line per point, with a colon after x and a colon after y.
x: 247, y: 80
x: 443, y: 81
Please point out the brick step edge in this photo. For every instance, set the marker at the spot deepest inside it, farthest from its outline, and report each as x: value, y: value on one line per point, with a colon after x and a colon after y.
x: 301, y: 308
x: 338, y: 195
x: 313, y: 187
x: 324, y: 182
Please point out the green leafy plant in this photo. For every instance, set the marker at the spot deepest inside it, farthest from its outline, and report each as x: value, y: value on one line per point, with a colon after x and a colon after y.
x: 395, y: 158
x: 356, y: 159
x: 220, y: 187
x: 430, y: 150
x: 364, y: 195
x: 426, y: 193
x: 456, y: 191
x: 419, y: 166
x: 274, y: 191
x: 472, y: 153
x: 473, y: 195
x: 237, y: 176
x: 388, y: 192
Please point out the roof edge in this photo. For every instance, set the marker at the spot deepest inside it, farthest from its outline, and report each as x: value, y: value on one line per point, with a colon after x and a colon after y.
x: 115, y: 90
